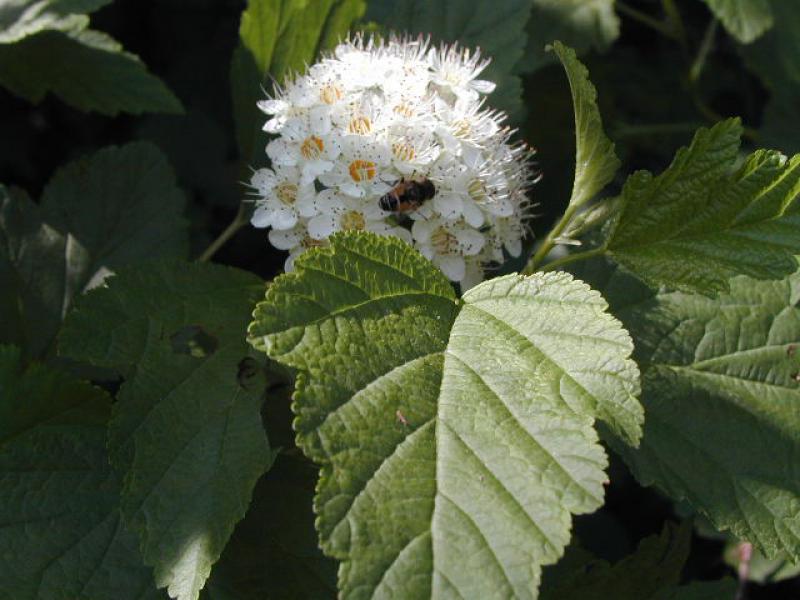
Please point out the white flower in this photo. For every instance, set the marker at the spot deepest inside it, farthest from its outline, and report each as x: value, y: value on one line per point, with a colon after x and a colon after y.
x: 400, y: 118
x: 455, y: 70
x: 303, y: 143
x: 447, y: 243
x: 361, y: 171
x: 344, y: 213
x: 283, y: 200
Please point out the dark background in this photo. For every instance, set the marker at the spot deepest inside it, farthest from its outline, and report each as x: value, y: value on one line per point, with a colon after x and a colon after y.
x: 188, y: 43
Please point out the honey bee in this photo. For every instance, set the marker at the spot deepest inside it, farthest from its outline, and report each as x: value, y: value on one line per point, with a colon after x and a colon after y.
x: 407, y: 195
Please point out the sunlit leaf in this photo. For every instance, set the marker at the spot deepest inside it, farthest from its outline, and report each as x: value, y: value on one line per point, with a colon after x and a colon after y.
x: 705, y: 219
x: 448, y: 466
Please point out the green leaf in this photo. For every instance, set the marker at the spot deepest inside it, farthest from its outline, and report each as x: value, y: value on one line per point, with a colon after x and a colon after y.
x: 186, y: 431
x: 775, y: 58
x: 655, y: 566
x: 577, y: 23
x: 595, y: 160
x: 21, y: 18
x: 721, y: 393
x: 496, y: 26
x: 703, y: 220
x: 746, y: 20
x: 277, y: 38
x: 112, y: 208
x: 87, y: 69
x: 273, y: 552
x: 61, y: 534
x: 449, y: 466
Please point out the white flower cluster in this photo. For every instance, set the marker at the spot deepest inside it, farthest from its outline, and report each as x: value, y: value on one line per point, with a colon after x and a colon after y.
x: 364, y: 134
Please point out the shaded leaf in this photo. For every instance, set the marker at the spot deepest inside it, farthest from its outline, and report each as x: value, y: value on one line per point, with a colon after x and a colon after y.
x: 273, y: 552
x: 61, y: 535
x: 112, y: 208
x: 775, y: 58
x: 745, y: 20
x: 21, y: 18
x: 448, y: 467
x: 496, y: 26
x: 186, y: 431
x: 579, y: 24
x: 86, y: 69
x: 655, y: 566
x: 703, y: 220
x: 722, y: 397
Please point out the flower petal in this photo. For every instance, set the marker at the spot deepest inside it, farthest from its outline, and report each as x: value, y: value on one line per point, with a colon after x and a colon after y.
x: 451, y: 265
x: 448, y: 204
x: 322, y: 226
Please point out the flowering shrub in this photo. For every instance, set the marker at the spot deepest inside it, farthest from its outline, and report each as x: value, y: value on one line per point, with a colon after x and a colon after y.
x: 435, y: 395
x: 373, y: 115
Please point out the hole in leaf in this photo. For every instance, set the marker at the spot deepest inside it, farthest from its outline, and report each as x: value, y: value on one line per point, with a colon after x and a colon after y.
x: 194, y: 341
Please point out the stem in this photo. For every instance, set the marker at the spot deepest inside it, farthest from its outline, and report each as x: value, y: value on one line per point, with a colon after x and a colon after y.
x: 677, y: 28
x: 571, y: 258
x: 702, y: 53
x: 238, y: 222
x: 646, y: 20
x: 550, y: 240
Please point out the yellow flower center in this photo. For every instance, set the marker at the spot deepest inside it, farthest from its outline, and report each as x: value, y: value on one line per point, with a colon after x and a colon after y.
x: 360, y: 125
x: 353, y: 220
x: 312, y: 148
x: 477, y: 190
x: 403, y: 151
x: 405, y: 109
x: 286, y: 192
x: 444, y: 241
x: 330, y: 93
x: 461, y: 128
x: 362, y: 170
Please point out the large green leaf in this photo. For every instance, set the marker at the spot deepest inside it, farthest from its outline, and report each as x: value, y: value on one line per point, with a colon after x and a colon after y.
x: 581, y: 24
x: 21, y: 18
x: 61, y: 535
x: 595, y: 160
x: 186, y: 431
x: 650, y: 573
x: 85, y: 68
x: 496, y: 26
x: 704, y: 220
x: 722, y: 399
x: 101, y: 212
x: 276, y: 38
x: 745, y: 20
x: 455, y: 437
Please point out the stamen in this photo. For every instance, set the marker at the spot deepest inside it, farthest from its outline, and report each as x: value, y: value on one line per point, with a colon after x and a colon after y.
x: 362, y: 170
x: 444, y: 241
x: 286, y: 192
x: 331, y: 93
x: 360, y: 125
x: 312, y: 148
x: 404, y: 151
x: 354, y: 220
